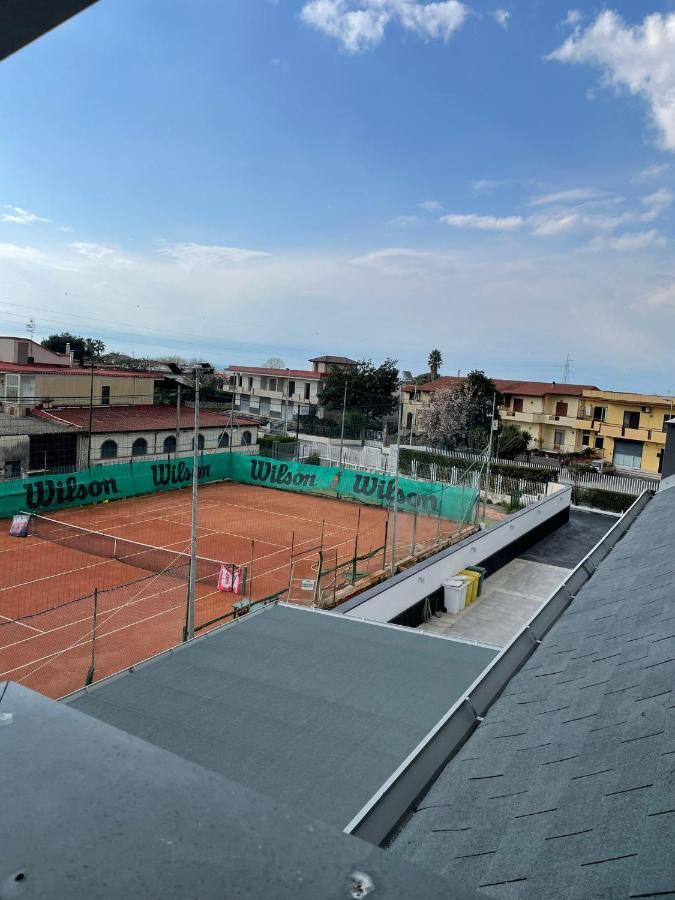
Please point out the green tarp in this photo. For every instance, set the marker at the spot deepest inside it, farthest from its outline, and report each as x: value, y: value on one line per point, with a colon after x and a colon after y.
x: 131, y: 479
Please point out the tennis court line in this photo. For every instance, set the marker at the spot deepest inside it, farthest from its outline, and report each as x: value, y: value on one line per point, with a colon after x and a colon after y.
x: 11, y: 621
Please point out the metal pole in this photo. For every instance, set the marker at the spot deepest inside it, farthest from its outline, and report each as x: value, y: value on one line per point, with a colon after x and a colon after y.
x: 91, y: 413
x: 250, y: 571
x: 342, y: 430
x: 489, y: 459
x: 231, y: 421
x: 90, y: 673
x: 178, y: 395
x: 193, y: 532
x: 398, y: 461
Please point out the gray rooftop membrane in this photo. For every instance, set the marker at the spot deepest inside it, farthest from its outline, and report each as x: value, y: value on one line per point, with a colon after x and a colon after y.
x: 312, y: 709
x: 567, y: 788
x: 89, y: 811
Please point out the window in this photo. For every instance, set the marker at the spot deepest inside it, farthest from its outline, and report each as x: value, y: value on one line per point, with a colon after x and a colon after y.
x: 246, y: 438
x: 291, y: 388
x: 409, y: 421
x: 561, y: 408
x: 170, y: 444
x: 12, y: 387
x: 200, y: 442
x: 224, y: 440
x: 250, y: 382
x: 558, y: 439
x: 599, y: 442
x: 239, y: 380
x: 585, y: 438
x: 105, y: 395
x: 13, y: 468
x: 108, y: 450
x: 139, y: 447
x: 517, y: 404
x: 22, y: 352
x: 272, y: 384
x: 599, y: 413
x: 631, y: 420
x: 308, y: 387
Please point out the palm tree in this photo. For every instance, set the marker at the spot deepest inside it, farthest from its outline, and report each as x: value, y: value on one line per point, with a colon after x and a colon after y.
x: 434, y: 362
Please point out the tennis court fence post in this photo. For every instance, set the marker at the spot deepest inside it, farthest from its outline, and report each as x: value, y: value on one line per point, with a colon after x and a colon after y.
x: 92, y: 664
x: 384, y: 548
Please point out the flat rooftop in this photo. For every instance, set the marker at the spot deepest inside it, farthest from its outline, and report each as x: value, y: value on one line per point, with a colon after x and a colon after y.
x: 312, y: 709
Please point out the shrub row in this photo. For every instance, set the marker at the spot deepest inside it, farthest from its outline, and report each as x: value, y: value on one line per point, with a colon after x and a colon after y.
x: 276, y: 439
x: 611, y: 501
x: 425, y: 459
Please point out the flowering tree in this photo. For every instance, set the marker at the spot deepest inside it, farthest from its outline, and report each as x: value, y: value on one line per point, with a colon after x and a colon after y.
x: 446, y: 419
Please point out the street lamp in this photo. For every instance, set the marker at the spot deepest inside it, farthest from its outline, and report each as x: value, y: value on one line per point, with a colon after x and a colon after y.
x: 179, y: 376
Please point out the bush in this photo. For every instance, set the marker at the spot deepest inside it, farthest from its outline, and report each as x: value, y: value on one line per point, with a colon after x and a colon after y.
x: 312, y: 460
x: 275, y: 439
x: 611, y: 501
x: 424, y: 459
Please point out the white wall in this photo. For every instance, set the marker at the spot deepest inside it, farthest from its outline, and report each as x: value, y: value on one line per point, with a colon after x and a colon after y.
x: 155, y: 440
x: 408, y: 588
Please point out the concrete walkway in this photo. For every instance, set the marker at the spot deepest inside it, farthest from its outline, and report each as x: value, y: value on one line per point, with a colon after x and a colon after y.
x: 510, y: 597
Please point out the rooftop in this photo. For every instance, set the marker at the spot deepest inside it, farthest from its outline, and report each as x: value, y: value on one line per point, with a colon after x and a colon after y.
x: 141, y: 417
x: 279, y: 373
x: 312, y: 709
x: 53, y: 369
x: 342, y: 360
x: 21, y: 425
x: 507, y: 386
x: 565, y: 789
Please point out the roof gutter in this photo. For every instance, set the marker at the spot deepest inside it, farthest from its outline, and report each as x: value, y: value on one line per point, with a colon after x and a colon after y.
x: 385, y: 810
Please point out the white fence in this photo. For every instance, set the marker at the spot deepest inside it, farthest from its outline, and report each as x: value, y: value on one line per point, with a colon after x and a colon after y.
x: 370, y: 458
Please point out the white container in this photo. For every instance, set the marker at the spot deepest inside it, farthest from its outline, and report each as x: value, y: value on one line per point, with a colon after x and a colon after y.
x: 454, y: 591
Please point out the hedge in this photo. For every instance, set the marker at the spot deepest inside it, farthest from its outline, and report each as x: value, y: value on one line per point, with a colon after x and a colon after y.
x: 424, y: 458
x: 275, y: 439
x: 611, y: 501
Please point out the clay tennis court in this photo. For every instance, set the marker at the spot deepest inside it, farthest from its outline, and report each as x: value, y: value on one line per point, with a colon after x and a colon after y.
x: 46, y: 588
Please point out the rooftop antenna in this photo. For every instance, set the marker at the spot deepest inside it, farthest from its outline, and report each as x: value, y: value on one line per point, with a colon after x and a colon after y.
x: 30, y: 328
x: 567, y: 369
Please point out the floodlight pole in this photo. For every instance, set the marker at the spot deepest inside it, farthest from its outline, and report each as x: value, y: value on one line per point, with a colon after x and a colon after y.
x: 178, y: 385
x: 193, y: 529
x: 342, y: 430
x: 398, y: 453
x: 91, y: 412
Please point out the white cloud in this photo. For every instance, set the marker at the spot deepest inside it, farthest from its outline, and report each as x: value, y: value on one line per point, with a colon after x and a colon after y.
x: 573, y: 17
x: 431, y: 206
x: 550, y: 226
x: 360, y: 24
x: 19, y: 216
x: 486, y: 186
x: 629, y: 242
x: 404, y: 221
x: 483, y: 223
x: 402, y: 261
x: 209, y: 255
x: 502, y: 17
x: 662, y: 296
x: 94, y: 252
x: 17, y: 253
x: 655, y: 171
x: 639, y: 58
x: 656, y: 204
x: 574, y: 195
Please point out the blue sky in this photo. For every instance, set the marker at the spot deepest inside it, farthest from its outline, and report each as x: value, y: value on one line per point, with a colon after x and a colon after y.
x: 370, y: 177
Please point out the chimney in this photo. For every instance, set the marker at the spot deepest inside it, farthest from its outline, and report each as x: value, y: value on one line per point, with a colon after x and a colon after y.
x: 668, y: 467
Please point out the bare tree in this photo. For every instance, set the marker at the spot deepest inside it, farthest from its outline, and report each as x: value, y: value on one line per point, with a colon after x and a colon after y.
x: 446, y: 418
x: 275, y: 362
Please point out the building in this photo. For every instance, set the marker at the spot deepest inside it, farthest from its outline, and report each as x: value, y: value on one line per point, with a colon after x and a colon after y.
x: 274, y: 393
x: 326, y: 364
x: 31, y: 376
x: 30, y: 446
x: 153, y: 432
x: 628, y: 430
x: 547, y: 410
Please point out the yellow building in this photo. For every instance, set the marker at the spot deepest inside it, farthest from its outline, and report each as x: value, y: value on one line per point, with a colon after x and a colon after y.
x: 627, y: 429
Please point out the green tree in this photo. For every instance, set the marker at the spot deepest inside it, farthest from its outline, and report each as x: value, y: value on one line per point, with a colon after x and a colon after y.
x: 512, y: 441
x: 82, y: 348
x: 370, y: 389
x: 434, y: 362
x: 482, y: 391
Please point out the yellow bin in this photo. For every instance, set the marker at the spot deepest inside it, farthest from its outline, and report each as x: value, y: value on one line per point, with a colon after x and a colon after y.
x: 472, y: 586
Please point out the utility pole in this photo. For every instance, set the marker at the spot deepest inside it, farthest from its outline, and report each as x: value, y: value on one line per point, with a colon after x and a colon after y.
x: 193, y: 532
x: 342, y: 430
x: 91, y: 412
x: 489, y: 459
x: 567, y: 369
x: 398, y: 464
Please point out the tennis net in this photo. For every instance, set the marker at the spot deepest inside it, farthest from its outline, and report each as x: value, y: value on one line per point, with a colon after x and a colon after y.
x: 133, y: 553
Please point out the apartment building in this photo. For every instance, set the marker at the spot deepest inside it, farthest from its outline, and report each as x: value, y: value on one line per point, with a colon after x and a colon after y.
x: 281, y: 393
x: 629, y: 430
x: 546, y: 409
x: 32, y: 376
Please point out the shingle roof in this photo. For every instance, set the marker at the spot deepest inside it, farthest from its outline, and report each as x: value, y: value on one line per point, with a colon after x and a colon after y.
x: 279, y: 373
x: 53, y: 369
x: 312, y: 709
x: 135, y: 418
x: 566, y: 789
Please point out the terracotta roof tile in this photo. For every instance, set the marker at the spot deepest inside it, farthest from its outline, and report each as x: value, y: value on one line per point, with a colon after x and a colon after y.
x: 136, y: 418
